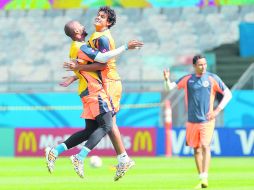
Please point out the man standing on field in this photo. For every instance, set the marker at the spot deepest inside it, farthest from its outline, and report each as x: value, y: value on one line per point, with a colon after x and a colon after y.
x: 200, y: 91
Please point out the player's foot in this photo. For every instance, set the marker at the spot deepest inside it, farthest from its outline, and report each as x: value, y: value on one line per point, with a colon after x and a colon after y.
x: 198, y: 186
x: 78, y: 165
x: 122, y: 168
x: 50, y: 159
x: 204, y: 183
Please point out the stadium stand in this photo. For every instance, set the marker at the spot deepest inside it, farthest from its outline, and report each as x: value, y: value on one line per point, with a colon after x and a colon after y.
x: 36, y: 40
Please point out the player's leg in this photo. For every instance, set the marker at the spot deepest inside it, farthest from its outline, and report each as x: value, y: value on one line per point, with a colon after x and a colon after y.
x: 193, y: 140
x: 114, y: 134
x: 81, y: 136
x: 206, y: 133
x: 198, y: 159
x: 74, y: 140
x: 205, y: 165
x: 114, y: 88
x: 124, y: 162
x: 117, y: 142
x: 116, y: 139
x: 206, y: 152
x: 198, y: 155
x: 199, y: 162
x: 76, y: 161
x: 105, y: 123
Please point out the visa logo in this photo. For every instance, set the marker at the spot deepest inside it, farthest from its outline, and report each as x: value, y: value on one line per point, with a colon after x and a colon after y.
x: 247, y: 141
x: 179, y: 144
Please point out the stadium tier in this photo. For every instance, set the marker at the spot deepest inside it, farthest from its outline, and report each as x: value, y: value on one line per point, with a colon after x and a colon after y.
x: 33, y: 42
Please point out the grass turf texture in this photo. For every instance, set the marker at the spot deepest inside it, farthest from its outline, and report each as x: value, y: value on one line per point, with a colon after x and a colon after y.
x: 149, y: 173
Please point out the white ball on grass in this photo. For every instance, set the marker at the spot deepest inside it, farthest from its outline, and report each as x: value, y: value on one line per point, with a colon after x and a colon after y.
x: 95, y: 161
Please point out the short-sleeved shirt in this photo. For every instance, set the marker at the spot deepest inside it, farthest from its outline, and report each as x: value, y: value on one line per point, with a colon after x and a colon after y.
x: 200, y: 93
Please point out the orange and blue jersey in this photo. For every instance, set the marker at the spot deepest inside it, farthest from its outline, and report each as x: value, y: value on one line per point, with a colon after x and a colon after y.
x: 88, y: 55
x: 104, y: 42
x: 94, y: 98
x: 200, y: 92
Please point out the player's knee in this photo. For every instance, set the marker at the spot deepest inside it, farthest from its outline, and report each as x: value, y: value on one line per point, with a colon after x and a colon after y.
x: 197, y: 150
x: 107, y: 128
x: 205, y: 147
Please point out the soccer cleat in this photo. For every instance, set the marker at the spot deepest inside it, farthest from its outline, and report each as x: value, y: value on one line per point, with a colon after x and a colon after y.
x: 122, y: 168
x: 50, y: 159
x: 78, y: 165
x: 198, y: 186
x: 204, y: 183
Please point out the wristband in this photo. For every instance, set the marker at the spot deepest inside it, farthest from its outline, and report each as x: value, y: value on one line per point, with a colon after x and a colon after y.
x: 126, y: 46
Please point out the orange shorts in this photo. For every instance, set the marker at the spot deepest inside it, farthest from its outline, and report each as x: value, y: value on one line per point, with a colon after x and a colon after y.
x: 95, y: 104
x: 198, y: 134
x: 94, y: 98
x: 114, y: 91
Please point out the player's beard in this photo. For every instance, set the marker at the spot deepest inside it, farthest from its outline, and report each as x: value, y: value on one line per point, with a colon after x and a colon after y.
x: 84, y: 34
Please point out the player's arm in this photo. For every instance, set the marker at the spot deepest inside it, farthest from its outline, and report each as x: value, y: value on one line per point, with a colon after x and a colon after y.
x: 168, y: 84
x: 68, y: 80
x: 227, y: 95
x: 220, y: 87
x: 105, y: 57
x: 74, y: 65
x: 101, y: 57
x: 226, y: 98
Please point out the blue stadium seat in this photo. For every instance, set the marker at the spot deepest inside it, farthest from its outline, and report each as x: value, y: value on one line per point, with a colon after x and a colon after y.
x: 168, y: 33
x: 17, y: 13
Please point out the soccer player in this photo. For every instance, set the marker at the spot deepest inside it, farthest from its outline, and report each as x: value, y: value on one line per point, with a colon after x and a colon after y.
x: 102, y: 40
x: 200, y: 90
x: 96, y: 104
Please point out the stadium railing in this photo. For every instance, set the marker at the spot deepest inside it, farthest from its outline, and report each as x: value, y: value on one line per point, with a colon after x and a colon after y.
x: 246, y: 81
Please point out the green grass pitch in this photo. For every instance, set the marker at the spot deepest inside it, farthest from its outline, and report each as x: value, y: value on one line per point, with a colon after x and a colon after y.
x: 157, y: 173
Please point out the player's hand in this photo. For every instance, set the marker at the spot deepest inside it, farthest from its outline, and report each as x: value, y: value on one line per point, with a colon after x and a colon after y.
x: 166, y: 74
x: 212, y: 115
x: 67, y: 81
x: 135, y: 44
x: 71, y: 65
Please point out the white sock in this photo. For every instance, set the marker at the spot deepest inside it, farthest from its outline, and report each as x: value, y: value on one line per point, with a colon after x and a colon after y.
x: 123, y: 158
x: 203, y: 175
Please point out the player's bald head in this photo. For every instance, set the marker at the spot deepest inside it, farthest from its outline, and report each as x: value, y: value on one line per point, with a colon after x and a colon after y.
x: 75, y: 30
x: 69, y: 28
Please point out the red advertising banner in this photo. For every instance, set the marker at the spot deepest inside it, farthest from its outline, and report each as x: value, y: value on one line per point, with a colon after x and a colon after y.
x: 32, y: 142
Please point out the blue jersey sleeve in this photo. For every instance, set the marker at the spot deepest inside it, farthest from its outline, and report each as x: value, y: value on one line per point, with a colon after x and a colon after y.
x: 89, y: 52
x: 103, y: 44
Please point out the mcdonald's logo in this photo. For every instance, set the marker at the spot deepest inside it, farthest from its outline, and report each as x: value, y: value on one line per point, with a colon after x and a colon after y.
x: 143, y: 141
x: 26, y: 142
